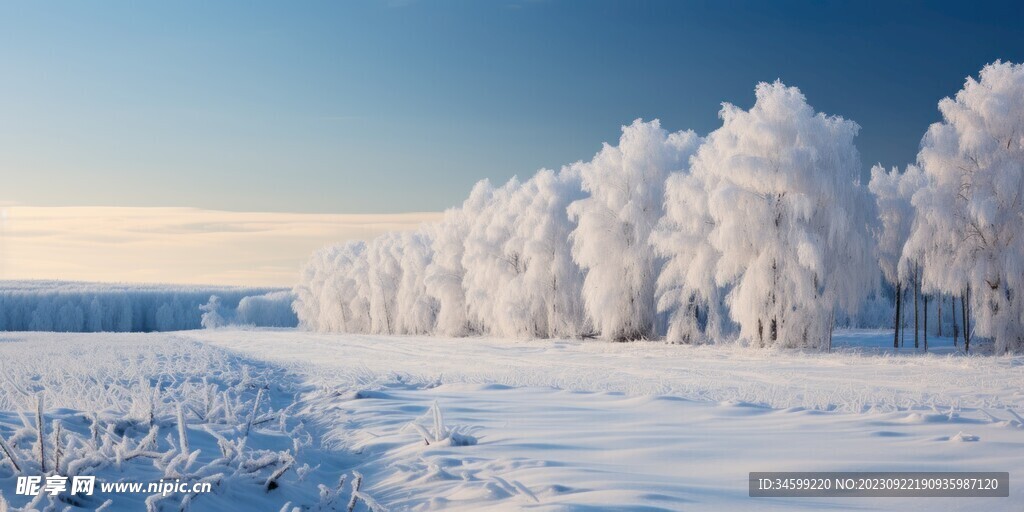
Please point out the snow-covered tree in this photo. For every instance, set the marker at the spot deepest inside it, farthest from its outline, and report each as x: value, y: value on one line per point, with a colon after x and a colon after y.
x: 893, y: 192
x: 307, y: 305
x: 445, y: 273
x: 271, y: 309
x: 491, y: 264
x: 69, y: 318
x: 384, y: 257
x: 165, y: 320
x: 95, y: 316
x: 417, y: 311
x: 43, y: 315
x: 549, y: 290
x: 333, y: 290
x: 520, y: 280
x: 355, y: 288
x: 787, y: 216
x: 686, y: 286
x: 969, y: 215
x: 611, y: 242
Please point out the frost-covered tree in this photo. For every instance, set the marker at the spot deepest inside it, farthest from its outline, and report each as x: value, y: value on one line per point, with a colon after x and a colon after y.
x: 788, y: 218
x: 893, y: 192
x: 548, y: 292
x: 165, y: 318
x: 69, y: 318
x: 417, y: 311
x: 969, y: 215
x: 333, y: 292
x: 43, y: 315
x: 520, y: 280
x: 611, y: 241
x: 356, y: 288
x: 271, y: 309
x: 686, y: 286
x: 307, y: 291
x: 384, y: 259
x: 490, y: 263
x: 95, y: 316
x: 445, y: 273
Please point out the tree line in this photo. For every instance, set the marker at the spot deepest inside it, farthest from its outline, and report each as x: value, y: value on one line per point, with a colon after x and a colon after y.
x: 760, y: 231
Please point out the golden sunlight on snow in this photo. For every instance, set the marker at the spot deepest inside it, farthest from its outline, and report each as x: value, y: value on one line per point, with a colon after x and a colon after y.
x: 175, y: 245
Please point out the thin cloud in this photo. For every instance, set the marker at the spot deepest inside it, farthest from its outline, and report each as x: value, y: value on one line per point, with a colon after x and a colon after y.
x: 175, y: 245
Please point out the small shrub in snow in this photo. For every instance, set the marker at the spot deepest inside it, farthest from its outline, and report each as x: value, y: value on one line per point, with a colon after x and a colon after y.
x: 212, y: 318
x: 436, y: 433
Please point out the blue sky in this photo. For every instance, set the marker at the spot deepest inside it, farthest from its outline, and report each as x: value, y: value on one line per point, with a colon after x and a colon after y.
x: 400, y: 106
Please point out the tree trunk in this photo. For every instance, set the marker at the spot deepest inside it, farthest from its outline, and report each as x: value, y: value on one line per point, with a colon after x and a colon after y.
x: 899, y: 292
x: 553, y: 310
x: 831, y: 328
x: 773, y: 325
x: 903, y: 320
x: 938, y: 313
x: 916, y: 310
x: 969, y: 325
x: 964, y: 300
x: 925, y: 298
x: 952, y: 308
x: 896, y: 327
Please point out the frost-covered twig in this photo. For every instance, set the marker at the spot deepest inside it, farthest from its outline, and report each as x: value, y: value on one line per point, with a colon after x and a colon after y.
x: 422, y: 431
x: 1014, y: 413
x: 328, y: 496
x: 370, y: 502
x: 266, y: 418
x: 10, y: 455
x: 213, y: 480
x: 271, y: 482
x: 182, y: 437
x: 94, y: 431
x: 439, y: 430
x: 356, y: 482
x: 208, y: 398
x: 40, y: 433
x: 143, y: 449
x: 255, y: 465
x: 252, y: 415
x: 153, y: 500
x: 57, y: 449
x: 152, y: 404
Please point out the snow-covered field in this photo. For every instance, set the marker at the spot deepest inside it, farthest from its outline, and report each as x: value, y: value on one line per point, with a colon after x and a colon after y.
x: 492, y: 424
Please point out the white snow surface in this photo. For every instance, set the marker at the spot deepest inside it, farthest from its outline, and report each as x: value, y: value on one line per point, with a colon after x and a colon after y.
x: 545, y: 425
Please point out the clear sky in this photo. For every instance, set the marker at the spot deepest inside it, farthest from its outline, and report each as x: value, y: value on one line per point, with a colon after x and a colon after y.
x: 370, y: 107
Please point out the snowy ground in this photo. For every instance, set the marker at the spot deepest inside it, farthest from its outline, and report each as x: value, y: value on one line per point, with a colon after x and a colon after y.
x: 549, y: 425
